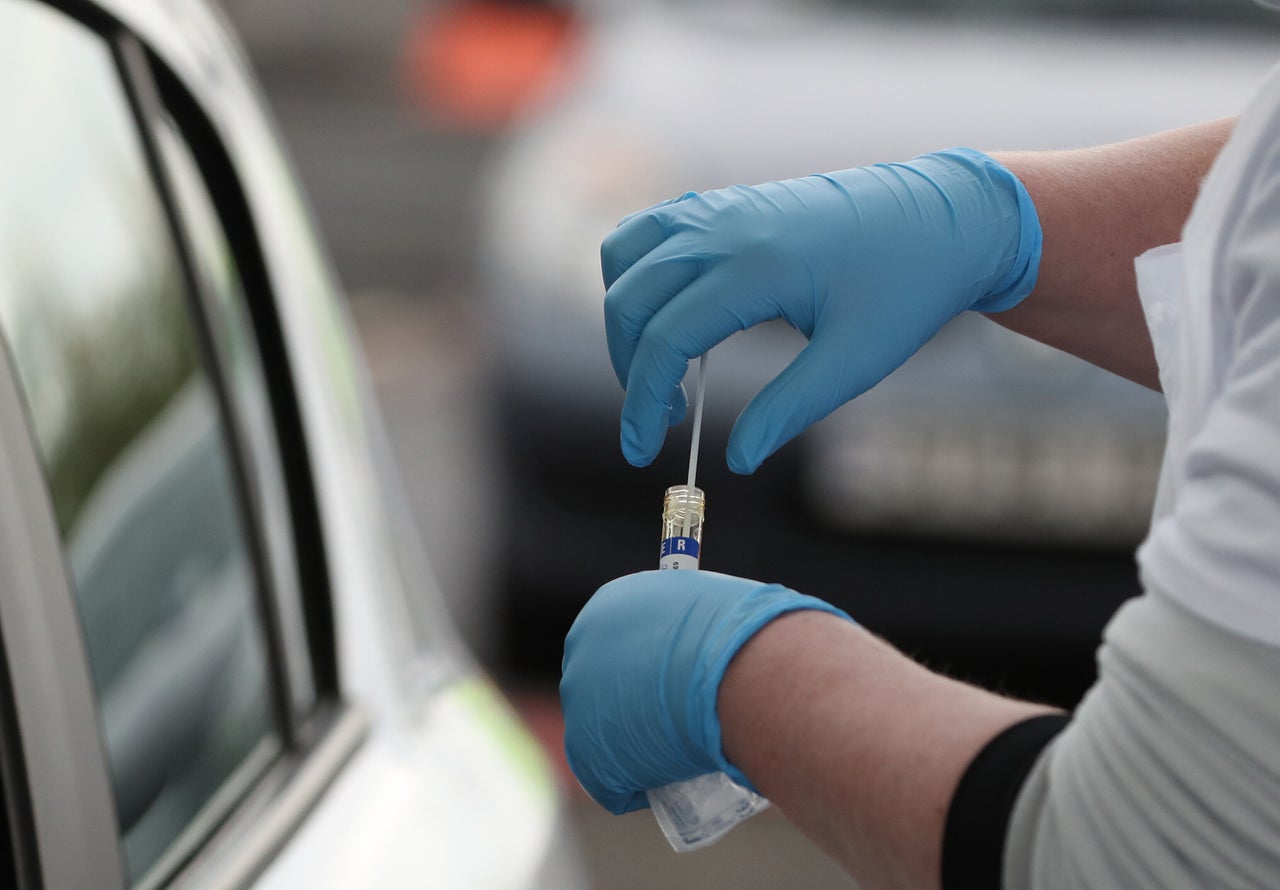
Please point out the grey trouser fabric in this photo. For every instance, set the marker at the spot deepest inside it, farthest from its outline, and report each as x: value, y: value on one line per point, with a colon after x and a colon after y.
x: 1168, y: 776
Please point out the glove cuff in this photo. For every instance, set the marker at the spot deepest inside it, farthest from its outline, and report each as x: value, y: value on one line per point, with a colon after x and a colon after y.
x: 730, y: 633
x: 1020, y: 277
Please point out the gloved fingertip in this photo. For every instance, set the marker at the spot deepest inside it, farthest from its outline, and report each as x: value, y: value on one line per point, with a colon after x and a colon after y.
x: 743, y: 458
x: 633, y: 448
x: 635, y: 457
x: 644, y: 429
x: 741, y: 465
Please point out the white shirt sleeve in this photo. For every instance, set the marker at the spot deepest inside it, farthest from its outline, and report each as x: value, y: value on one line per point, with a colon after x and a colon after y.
x: 1215, y: 544
x: 1169, y: 774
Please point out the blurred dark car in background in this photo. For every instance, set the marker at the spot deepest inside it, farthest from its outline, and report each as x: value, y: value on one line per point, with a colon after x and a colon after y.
x: 979, y: 508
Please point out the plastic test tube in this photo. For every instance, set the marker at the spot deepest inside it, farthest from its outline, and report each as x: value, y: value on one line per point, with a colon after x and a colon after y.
x: 697, y: 812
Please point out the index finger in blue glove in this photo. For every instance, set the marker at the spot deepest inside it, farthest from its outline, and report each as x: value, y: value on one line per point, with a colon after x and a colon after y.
x: 684, y: 327
x: 640, y: 293
x: 626, y: 245
x: 635, y: 235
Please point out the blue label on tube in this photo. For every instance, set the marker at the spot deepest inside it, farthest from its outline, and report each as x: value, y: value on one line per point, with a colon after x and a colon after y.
x: 679, y: 547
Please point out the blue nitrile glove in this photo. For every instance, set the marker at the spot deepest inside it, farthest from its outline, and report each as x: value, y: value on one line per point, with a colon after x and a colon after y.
x: 867, y: 263
x: 642, y: 667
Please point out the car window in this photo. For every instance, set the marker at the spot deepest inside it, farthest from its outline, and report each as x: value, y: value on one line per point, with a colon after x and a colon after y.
x: 220, y: 280
x: 99, y: 329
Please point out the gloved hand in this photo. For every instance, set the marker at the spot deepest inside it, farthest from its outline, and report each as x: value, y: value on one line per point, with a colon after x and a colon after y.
x: 867, y: 263
x: 642, y: 668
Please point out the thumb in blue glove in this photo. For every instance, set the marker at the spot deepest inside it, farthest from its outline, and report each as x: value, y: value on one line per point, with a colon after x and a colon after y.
x: 867, y: 263
x: 642, y: 669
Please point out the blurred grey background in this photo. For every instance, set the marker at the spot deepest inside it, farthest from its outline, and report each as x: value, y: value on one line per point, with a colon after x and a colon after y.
x: 412, y: 123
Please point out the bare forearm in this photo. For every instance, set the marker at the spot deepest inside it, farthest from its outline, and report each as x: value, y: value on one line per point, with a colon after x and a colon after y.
x: 1099, y: 208
x: 859, y: 746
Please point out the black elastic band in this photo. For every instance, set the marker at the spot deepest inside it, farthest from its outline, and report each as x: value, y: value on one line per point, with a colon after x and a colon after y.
x: 978, y: 818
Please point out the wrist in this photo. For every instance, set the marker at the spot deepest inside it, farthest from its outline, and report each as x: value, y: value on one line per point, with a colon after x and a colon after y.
x: 1002, y: 210
x: 769, y: 608
x: 779, y: 671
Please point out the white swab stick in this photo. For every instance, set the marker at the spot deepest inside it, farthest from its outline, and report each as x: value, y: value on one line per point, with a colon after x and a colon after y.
x: 697, y: 418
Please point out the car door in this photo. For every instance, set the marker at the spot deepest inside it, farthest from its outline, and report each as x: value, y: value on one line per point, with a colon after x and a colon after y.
x: 171, y: 707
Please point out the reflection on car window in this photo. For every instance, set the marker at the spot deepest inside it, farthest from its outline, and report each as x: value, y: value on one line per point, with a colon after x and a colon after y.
x: 220, y: 278
x: 97, y: 326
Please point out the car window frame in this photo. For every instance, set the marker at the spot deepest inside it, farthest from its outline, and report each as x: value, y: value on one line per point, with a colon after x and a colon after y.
x: 319, y: 744
x: 57, y: 785
x: 236, y: 219
x: 316, y: 744
x: 148, y: 110
x: 57, y: 700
